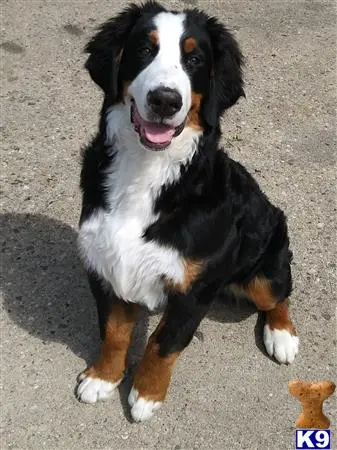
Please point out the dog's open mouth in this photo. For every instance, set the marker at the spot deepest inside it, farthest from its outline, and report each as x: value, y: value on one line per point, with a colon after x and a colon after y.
x: 155, y: 136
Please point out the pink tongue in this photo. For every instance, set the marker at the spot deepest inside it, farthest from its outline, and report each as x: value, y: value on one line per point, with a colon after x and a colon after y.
x: 157, y: 133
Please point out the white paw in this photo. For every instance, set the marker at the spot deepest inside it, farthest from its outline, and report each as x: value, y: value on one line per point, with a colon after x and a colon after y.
x: 280, y: 344
x: 91, y: 390
x: 141, y: 409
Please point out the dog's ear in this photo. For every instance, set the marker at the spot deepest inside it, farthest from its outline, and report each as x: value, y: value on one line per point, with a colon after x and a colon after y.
x: 226, y: 77
x: 106, y: 46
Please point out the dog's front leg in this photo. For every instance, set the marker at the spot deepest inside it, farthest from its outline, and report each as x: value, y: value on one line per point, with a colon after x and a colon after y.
x: 117, y: 320
x: 175, y: 331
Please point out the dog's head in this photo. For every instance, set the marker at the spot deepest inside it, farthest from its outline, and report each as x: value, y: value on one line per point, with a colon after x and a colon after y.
x: 174, y: 70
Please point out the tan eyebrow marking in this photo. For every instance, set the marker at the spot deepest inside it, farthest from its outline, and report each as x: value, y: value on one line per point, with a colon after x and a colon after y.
x: 154, y: 38
x: 189, y: 44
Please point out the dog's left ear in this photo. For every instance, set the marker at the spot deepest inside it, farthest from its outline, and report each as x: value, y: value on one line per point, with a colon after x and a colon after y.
x: 106, y: 46
x: 226, y: 78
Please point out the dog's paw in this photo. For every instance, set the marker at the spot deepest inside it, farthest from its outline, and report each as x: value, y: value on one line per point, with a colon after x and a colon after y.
x: 281, y: 344
x: 141, y: 409
x: 91, y: 390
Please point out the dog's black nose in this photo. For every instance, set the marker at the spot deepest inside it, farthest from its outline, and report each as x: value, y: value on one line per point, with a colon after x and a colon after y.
x: 164, y: 101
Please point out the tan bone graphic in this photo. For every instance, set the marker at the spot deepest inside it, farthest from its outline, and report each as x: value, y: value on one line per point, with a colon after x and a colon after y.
x: 312, y: 394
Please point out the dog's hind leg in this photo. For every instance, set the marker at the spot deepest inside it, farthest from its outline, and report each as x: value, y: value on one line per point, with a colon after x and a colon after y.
x: 279, y: 333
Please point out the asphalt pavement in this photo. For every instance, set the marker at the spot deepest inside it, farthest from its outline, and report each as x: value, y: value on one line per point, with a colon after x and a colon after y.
x: 226, y: 393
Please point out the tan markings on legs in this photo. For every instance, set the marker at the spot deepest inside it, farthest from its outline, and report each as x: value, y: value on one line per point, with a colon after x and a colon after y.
x: 258, y: 291
x: 189, y: 44
x: 193, y: 119
x: 192, y: 270
x: 154, y: 373
x: 110, y: 365
x: 279, y: 334
x: 154, y: 38
x: 279, y: 319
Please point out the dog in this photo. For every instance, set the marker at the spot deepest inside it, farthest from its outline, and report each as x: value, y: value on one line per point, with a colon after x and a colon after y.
x: 168, y: 219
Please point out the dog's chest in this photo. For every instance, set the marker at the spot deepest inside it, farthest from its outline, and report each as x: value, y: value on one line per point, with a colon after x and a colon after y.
x: 112, y: 242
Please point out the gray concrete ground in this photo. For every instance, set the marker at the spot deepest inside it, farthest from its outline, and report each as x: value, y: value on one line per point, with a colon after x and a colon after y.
x: 225, y: 394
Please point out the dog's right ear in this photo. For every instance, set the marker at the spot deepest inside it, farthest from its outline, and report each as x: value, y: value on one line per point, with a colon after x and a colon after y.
x: 106, y: 46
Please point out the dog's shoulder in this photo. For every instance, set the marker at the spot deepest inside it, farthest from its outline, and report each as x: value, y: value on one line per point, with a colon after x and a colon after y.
x: 96, y: 158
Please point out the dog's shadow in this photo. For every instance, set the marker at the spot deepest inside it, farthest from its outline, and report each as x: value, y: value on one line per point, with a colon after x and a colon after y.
x: 46, y: 292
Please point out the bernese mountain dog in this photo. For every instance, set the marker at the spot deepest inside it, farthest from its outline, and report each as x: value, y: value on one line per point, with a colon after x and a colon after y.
x: 168, y: 219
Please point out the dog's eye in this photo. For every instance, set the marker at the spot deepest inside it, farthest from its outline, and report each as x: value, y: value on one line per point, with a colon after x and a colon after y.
x: 193, y: 60
x: 145, y: 51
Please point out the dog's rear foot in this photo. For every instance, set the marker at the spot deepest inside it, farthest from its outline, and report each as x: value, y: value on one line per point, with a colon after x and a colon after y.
x: 281, y: 344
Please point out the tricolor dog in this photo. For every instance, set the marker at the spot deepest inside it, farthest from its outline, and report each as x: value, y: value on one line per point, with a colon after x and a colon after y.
x: 168, y: 219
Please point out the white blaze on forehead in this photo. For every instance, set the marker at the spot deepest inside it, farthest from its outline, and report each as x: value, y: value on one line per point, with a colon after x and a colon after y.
x: 166, y: 69
x: 170, y: 28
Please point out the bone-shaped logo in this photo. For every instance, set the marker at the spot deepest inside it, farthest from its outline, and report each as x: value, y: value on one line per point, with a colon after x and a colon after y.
x: 312, y: 394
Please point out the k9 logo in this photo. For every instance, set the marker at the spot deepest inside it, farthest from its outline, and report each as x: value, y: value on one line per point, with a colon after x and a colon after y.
x: 313, y: 439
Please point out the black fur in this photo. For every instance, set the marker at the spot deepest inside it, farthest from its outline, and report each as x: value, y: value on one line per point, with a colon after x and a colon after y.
x: 222, y: 217
x: 104, y: 300
x: 215, y: 213
x: 96, y: 159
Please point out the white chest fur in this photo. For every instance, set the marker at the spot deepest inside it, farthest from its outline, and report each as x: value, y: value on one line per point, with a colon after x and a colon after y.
x: 111, y: 242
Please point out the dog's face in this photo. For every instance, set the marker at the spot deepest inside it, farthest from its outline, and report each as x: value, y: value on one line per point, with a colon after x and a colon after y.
x: 161, y: 73
x: 175, y: 70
